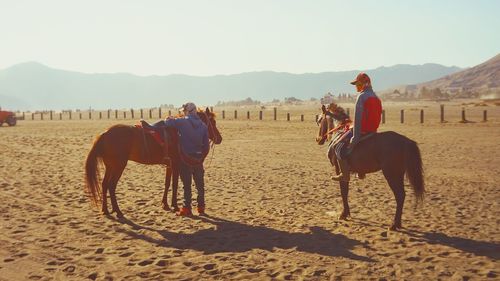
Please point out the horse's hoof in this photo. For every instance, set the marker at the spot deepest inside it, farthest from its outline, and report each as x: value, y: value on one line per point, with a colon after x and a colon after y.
x: 344, y: 217
x: 395, y: 227
x: 166, y: 207
x: 176, y: 209
x: 119, y: 215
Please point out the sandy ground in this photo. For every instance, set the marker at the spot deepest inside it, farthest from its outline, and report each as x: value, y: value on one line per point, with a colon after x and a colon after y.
x: 272, y: 208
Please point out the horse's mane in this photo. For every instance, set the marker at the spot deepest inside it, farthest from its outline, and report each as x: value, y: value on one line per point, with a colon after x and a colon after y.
x: 210, y: 114
x: 338, y: 113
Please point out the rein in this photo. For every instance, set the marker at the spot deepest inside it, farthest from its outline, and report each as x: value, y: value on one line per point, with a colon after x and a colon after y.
x: 335, y: 129
x: 211, y: 157
x: 212, y: 145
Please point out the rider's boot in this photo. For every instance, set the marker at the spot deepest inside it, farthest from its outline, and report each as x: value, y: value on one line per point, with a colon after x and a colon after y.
x: 344, y: 171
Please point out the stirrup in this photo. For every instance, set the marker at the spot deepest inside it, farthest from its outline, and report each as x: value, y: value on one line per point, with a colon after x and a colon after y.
x: 339, y: 177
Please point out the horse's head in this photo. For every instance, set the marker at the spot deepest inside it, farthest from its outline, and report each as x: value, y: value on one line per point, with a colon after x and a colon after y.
x: 325, y: 123
x: 208, y: 118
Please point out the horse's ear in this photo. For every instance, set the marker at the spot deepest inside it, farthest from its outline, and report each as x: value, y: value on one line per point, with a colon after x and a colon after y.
x: 323, y: 108
x: 207, y: 111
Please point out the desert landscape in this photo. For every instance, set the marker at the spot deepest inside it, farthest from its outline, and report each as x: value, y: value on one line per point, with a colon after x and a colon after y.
x: 272, y: 207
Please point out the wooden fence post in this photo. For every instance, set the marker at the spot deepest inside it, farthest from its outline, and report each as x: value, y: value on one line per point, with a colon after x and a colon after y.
x: 275, y: 113
x: 116, y: 113
x: 421, y: 116
x: 248, y: 115
x: 25, y: 116
x: 170, y: 113
x: 402, y: 116
x: 159, y: 112
x: 142, y: 113
x: 50, y: 113
x: 60, y: 115
x: 235, y: 114
x: 302, y: 117
x: 442, y: 113
x: 90, y: 114
x: 70, y: 113
x: 211, y: 109
x: 260, y: 115
x: 383, y: 116
x: 41, y: 115
x: 100, y: 115
x: 132, y: 112
x: 124, y: 115
x: 80, y: 115
x: 32, y: 116
x: 463, y: 115
x: 223, y: 114
x: 485, y: 116
x: 109, y: 113
x: 287, y: 116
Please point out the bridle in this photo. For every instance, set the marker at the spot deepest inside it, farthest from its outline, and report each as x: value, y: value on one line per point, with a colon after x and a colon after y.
x: 331, y: 115
x: 212, y: 143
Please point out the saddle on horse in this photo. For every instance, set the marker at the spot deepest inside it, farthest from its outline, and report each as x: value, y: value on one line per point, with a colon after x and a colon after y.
x: 160, y: 135
x: 340, y: 150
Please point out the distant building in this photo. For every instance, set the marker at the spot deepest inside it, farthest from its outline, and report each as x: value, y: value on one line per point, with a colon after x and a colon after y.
x: 328, y: 98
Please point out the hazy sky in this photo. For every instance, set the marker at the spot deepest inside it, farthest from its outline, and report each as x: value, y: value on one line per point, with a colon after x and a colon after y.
x: 209, y: 37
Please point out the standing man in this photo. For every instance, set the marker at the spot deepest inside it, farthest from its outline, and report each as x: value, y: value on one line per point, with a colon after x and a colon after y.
x: 367, y: 115
x: 194, y: 145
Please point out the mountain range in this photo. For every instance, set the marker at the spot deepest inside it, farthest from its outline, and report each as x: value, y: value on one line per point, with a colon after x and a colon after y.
x: 34, y: 86
x: 481, y: 77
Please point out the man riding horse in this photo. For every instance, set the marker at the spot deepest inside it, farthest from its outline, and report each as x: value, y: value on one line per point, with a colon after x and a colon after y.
x: 367, y: 114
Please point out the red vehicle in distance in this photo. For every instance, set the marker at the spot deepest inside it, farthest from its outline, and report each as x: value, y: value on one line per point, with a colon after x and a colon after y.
x: 7, y: 117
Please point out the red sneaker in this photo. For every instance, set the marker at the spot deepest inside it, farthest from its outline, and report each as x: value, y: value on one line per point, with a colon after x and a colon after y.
x: 185, y: 212
x: 201, y: 211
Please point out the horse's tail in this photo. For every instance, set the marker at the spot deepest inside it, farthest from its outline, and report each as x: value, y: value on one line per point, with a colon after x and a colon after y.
x: 414, y: 170
x: 92, y: 175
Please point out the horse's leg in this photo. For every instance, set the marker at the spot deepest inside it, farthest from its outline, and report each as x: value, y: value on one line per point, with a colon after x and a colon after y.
x: 175, y: 186
x: 344, y: 191
x: 168, y: 177
x: 117, y: 173
x: 105, y: 183
x: 396, y: 182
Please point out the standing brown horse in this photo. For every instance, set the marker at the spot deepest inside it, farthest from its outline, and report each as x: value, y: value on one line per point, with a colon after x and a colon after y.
x: 390, y: 152
x: 121, y: 143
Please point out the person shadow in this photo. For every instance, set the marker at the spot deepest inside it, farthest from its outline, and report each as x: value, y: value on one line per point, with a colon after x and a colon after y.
x: 231, y: 236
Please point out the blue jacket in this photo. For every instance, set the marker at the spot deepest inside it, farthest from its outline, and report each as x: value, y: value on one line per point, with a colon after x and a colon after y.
x: 193, y: 134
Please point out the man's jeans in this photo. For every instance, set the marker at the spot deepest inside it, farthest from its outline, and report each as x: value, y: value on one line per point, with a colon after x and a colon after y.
x: 187, y: 173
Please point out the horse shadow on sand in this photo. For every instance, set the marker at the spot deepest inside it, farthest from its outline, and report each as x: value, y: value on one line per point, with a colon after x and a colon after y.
x: 231, y: 236
x: 477, y: 247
